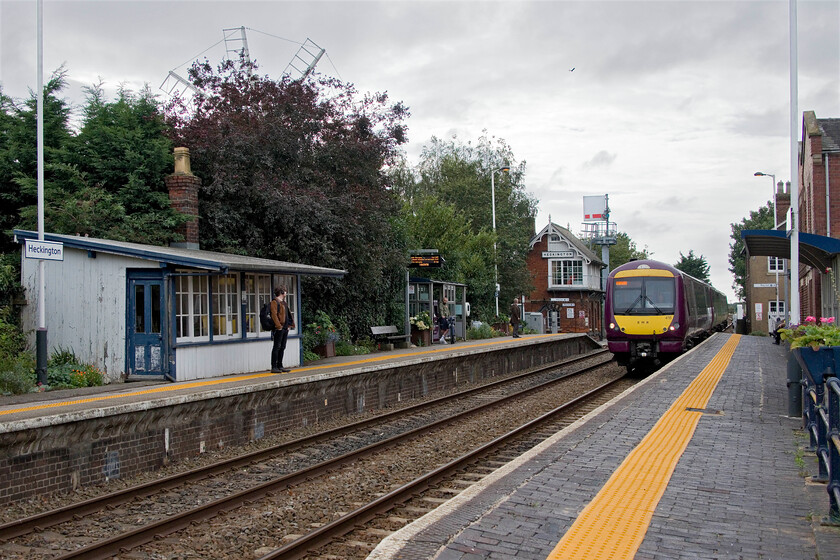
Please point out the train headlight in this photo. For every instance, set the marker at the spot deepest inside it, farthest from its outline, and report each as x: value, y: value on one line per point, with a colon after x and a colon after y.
x: 612, y: 325
x: 675, y: 326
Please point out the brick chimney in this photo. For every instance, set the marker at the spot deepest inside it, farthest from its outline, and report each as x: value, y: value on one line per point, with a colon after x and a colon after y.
x: 183, y: 193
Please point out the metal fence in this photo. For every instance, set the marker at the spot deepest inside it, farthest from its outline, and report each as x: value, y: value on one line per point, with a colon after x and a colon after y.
x: 821, y: 417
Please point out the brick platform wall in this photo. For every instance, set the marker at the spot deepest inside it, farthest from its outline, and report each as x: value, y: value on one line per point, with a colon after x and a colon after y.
x: 66, y: 456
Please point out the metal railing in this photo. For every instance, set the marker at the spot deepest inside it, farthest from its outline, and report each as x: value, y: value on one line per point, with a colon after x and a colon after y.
x: 821, y: 417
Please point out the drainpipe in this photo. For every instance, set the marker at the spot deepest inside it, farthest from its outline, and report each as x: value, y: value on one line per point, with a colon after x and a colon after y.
x: 827, y: 200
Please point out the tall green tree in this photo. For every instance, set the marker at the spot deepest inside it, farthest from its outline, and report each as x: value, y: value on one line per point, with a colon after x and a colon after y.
x: 105, y: 181
x: 623, y: 251
x: 693, y: 265
x: 462, y: 174
x: 295, y: 171
x: 758, y: 219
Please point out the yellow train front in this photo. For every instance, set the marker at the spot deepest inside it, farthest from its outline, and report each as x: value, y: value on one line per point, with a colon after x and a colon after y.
x: 655, y: 312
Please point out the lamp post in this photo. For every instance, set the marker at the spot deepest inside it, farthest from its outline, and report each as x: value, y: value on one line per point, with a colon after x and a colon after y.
x: 493, y: 201
x: 775, y: 227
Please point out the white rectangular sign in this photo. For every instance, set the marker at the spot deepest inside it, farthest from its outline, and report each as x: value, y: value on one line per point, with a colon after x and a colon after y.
x: 558, y: 254
x: 772, y: 285
x: 594, y: 208
x: 47, y: 250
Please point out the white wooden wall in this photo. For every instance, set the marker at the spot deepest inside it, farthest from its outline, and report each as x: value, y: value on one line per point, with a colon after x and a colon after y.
x: 85, y: 306
x: 202, y: 362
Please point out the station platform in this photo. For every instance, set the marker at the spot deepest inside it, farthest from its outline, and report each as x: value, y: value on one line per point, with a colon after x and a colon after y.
x: 39, y: 409
x: 698, y: 461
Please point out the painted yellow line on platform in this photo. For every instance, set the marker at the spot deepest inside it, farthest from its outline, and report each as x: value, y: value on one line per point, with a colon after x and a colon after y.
x: 231, y: 379
x: 614, y: 523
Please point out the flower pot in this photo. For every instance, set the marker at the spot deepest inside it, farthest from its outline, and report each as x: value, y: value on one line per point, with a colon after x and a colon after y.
x: 421, y: 338
x: 818, y: 363
x: 326, y: 350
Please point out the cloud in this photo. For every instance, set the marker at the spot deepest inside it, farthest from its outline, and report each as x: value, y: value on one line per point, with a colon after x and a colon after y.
x: 601, y: 159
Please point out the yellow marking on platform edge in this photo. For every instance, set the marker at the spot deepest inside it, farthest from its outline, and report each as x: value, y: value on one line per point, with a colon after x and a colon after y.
x: 614, y: 523
x: 231, y: 379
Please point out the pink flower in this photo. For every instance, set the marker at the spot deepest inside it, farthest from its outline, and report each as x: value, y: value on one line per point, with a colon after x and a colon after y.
x: 827, y: 320
x: 810, y: 319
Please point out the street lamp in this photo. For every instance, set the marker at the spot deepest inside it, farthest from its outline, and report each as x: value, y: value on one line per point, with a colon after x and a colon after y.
x: 775, y: 227
x: 493, y: 200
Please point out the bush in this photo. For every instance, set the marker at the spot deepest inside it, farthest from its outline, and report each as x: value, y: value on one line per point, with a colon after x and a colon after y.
x: 482, y: 331
x: 344, y: 348
x: 17, y: 374
x: 73, y: 376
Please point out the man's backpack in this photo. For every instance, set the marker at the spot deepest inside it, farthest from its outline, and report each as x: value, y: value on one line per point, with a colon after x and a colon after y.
x: 266, y: 321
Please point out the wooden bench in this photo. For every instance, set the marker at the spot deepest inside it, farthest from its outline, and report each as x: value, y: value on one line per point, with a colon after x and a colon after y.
x: 389, y: 333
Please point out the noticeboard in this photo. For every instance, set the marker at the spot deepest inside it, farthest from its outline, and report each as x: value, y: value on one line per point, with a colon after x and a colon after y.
x: 425, y: 261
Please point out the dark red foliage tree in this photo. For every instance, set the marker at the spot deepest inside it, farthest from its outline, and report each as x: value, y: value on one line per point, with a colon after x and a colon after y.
x: 294, y: 171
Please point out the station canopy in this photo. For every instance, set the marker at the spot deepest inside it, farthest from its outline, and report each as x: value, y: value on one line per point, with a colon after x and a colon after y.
x: 817, y: 251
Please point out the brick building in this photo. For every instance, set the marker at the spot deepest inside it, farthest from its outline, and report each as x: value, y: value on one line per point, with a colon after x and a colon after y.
x: 819, y: 206
x: 567, y: 281
x: 819, y: 223
x: 767, y: 279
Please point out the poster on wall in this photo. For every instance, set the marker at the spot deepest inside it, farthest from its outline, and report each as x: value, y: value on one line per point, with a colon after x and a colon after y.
x: 758, y: 310
x: 570, y: 313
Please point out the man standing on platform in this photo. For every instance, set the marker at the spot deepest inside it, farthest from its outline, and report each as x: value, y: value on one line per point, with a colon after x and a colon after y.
x: 283, y: 321
x: 514, y: 317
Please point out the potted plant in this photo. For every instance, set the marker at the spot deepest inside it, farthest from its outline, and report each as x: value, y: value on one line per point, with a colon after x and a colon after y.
x: 816, y: 345
x: 321, y: 335
x: 421, y: 335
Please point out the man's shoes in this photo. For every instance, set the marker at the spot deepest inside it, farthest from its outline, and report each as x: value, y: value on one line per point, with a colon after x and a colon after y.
x: 276, y: 370
x: 285, y: 370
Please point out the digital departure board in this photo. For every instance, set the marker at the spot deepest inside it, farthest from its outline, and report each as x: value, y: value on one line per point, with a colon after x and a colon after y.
x: 426, y: 261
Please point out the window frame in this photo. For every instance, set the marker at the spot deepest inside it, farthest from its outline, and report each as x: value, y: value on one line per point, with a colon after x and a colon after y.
x: 565, y: 269
x: 192, y: 289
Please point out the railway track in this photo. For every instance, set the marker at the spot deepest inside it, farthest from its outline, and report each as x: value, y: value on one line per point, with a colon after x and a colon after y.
x: 216, y: 494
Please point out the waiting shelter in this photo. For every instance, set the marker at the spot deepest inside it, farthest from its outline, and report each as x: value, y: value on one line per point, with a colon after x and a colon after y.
x: 145, y: 311
x: 425, y: 294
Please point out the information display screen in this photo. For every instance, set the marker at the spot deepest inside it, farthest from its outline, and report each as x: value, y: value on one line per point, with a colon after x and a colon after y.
x: 426, y: 261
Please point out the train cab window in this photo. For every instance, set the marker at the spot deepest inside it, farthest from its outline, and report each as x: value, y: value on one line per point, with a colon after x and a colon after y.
x: 643, y: 296
x: 659, y: 294
x: 627, y: 293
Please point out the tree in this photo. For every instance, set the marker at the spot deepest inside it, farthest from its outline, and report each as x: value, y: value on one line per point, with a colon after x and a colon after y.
x: 294, y: 171
x: 106, y: 181
x: 460, y: 174
x: 694, y: 266
x: 758, y: 219
x: 623, y: 251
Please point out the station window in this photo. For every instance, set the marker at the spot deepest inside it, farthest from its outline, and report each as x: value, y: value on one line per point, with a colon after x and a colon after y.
x: 291, y: 293
x: 776, y: 307
x: 257, y: 292
x: 225, y: 305
x: 566, y: 273
x: 192, y: 319
x: 775, y: 264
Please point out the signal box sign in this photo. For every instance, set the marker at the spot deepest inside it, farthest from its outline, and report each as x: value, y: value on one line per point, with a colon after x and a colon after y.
x: 426, y: 261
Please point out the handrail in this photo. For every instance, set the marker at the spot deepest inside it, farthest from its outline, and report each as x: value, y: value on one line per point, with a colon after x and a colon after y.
x: 821, y: 418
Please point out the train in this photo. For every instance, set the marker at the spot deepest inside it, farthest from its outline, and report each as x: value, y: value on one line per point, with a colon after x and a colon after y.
x: 655, y: 312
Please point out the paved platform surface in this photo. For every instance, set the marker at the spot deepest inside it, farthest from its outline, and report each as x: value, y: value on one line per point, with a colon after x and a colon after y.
x: 38, y: 409
x: 739, y: 491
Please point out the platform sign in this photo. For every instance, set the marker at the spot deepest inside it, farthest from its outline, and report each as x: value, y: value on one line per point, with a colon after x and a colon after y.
x: 426, y: 261
x: 46, y: 250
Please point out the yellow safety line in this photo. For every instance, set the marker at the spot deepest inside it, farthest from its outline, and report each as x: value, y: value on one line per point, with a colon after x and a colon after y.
x: 231, y: 379
x: 614, y: 523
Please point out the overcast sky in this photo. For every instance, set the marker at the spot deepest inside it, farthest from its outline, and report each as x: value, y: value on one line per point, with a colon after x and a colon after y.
x: 671, y: 108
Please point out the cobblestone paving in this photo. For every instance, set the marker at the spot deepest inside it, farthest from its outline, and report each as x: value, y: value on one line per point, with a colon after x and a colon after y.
x: 737, y: 492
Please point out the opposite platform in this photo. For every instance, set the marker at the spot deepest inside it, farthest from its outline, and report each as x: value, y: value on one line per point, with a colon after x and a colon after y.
x: 738, y: 491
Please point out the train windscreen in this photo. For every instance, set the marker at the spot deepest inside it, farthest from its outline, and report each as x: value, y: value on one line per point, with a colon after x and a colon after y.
x: 643, y: 296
